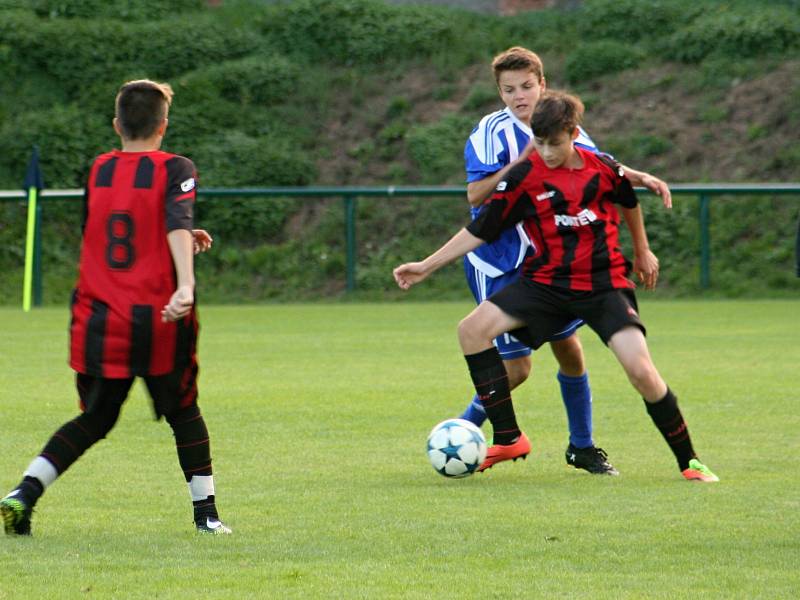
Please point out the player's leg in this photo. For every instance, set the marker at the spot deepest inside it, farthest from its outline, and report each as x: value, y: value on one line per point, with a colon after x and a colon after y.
x: 614, y: 316
x: 576, y: 394
x: 515, y: 354
x: 101, y: 400
x: 630, y: 347
x: 475, y: 333
x: 175, y: 397
x: 517, y: 369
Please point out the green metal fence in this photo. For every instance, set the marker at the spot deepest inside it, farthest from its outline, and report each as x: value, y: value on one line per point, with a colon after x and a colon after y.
x: 349, y: 195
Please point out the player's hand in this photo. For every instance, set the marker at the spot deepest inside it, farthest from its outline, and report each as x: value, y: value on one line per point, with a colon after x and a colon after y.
x: 201, y: 240
x: 645, y: 265
x: 179, y: 304
x: 409, y: 274
x: 657, y: 186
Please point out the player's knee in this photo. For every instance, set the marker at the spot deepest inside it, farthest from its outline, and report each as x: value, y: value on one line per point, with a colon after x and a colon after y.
x: 644, y: 377
x: 468, y: 330
x: 99, y: 421
x: 181, y: 415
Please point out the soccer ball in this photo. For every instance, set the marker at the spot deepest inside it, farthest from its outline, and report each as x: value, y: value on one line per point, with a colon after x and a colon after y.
x: 456, y: 448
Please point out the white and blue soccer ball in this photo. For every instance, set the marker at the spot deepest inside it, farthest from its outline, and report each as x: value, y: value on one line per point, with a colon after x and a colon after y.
x: 456, y: 448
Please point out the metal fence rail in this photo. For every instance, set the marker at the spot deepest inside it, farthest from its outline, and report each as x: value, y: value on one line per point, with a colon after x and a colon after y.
x: 349, y: 195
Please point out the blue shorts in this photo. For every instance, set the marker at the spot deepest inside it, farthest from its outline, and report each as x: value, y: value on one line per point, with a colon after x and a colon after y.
x: 483, y: 286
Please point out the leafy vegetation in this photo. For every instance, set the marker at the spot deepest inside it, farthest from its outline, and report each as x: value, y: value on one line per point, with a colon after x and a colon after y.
x: 363, y: 92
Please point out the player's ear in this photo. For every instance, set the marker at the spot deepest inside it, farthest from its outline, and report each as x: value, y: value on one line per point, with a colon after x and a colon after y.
x: 162, y: 128
x: 115, y: 123
x: 575, y: 133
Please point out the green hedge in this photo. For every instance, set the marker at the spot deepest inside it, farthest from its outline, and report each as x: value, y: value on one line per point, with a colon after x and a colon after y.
x: 79, y: 52
x: 601, y: 58
x: 116, y: 9
x: 370, y: 32
x: 737, y: 32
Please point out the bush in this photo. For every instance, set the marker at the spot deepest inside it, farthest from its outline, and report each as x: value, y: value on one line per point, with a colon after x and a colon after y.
x: 631, y: 21
x: 77, y: 53
x: 116, y: 9
x: 737, y: 33
x: 368, y: 31
x: 260, y: 80
x: 236, y: 159
x: 438, y: 149
x: 68, y: 138
x: 605, y: 57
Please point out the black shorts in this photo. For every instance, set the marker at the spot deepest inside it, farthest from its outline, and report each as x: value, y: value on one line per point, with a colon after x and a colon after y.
x: 546, y: 310
x: 169, y: 392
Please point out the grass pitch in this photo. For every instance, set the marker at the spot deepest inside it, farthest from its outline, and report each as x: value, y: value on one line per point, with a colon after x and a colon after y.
x: 318, y: 416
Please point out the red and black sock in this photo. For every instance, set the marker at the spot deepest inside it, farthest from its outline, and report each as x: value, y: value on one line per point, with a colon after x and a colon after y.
x: 491, y: 383
x: 668, y: 418
x: 191, y: 441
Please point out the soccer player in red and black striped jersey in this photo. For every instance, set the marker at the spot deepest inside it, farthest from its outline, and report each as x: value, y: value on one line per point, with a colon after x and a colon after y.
x: 567, y: 199
x: 133, y: 311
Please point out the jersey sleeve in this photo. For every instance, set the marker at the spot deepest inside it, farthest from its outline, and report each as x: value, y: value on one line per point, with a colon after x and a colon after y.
x: 181, y: 193
x: 585, y: 141
x: 484, y: 152
x: 505, y: 208
x: 623, y: 193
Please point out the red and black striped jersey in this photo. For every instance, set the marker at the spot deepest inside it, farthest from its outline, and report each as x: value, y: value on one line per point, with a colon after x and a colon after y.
x: 126, y: 274
x: 570, y: 217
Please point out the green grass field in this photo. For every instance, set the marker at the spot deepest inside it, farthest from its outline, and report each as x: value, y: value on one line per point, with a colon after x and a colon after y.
x: 318, y: 416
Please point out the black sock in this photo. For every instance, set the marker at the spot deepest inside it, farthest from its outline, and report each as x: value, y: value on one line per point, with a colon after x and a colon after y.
x: 668, y: 418
x: 76, y: 436
x: 31, y: 489
x: 191, y: 441
x: 491, y: 383
x: 205, y: 508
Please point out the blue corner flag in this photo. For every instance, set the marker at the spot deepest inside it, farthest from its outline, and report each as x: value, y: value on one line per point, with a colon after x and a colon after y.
x: 33, y: 176
x: 33, y: 184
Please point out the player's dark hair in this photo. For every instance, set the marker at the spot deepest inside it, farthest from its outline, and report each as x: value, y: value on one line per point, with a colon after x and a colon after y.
x: 517, y: 59
x: 141, y: 105
x: 556, y: 112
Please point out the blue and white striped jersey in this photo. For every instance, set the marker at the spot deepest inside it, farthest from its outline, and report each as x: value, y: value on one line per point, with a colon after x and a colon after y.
x: 496, y: 141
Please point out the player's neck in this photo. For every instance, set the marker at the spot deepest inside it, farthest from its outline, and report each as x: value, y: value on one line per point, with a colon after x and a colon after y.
x: 147, y: 145
x: 574, y: 161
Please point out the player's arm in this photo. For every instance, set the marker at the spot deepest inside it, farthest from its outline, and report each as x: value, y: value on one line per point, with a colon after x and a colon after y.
x: 412, y: 273
x: 480, y: 190
x: 179, y: 205
x: 645, y: 263
x: 181, y: 247
x: 651, y: 182
x: 503, y: 211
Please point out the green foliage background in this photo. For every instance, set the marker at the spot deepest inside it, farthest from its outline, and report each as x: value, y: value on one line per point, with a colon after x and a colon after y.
x: 257, y: 84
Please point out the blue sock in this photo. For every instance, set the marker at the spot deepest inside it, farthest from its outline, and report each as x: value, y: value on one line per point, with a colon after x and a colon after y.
x: 475, y: 412
x: 577, y: 398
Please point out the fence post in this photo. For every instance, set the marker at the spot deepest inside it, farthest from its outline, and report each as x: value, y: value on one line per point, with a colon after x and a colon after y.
x: 705, y: 241
x: 350, y: 241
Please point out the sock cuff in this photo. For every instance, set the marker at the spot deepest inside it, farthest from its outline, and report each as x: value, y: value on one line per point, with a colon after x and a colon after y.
x: 664, y: 408
x: 43, y: 470
x: 201, y: 487
x: 483, y: 360
x: 569, y: 379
